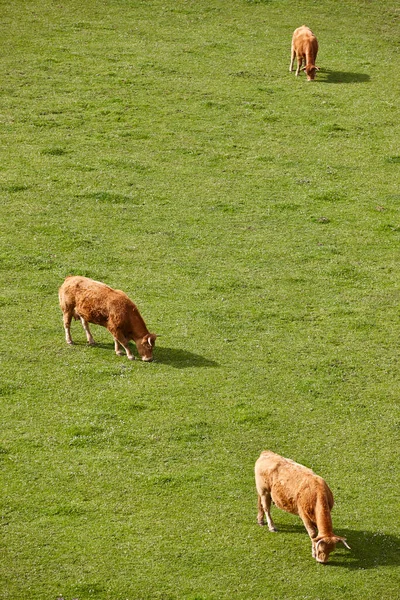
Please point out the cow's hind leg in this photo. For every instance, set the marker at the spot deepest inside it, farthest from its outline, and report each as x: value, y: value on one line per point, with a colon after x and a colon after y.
x: 89, y: 336
x: 293, y: 56
x: 67, y: 318
x: 264, y: 507
x: 260, y: 514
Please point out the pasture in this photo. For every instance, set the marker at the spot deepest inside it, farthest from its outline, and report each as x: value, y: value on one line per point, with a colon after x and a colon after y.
x: 164, y: 148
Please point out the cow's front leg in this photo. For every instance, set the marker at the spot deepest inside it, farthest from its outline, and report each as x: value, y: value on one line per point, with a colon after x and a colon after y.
x: 299, y: 63
x: 123, y: 341
x: 312, y: 532
x: 117, y: 348
x: 313, y: 548
x: 292, y: 61
x: 89, y: 336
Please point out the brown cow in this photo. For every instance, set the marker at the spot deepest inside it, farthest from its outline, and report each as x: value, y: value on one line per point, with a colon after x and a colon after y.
x: 94, y: 302
x: 304, y: 47
x: 297, y: 490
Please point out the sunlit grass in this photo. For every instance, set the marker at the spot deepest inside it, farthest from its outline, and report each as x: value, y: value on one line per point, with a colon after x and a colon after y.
x: 165, y: 149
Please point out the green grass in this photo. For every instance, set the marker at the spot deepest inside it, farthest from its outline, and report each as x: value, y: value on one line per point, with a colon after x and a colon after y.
x: 165, y: 149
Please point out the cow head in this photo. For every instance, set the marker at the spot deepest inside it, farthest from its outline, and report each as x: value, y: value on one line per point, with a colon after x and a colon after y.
x: 311, y: 71
x: 323, y: 546
x: 145, y: 346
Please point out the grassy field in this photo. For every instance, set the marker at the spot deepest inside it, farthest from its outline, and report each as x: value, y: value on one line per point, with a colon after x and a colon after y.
x: 164, y: 148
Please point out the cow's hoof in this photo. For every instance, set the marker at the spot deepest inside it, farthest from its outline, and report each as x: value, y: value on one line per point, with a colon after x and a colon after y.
x: 119, y: 353
x: 273, y: 529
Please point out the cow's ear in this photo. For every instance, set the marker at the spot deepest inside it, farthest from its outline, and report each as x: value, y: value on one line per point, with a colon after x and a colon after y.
x: 303, y: 68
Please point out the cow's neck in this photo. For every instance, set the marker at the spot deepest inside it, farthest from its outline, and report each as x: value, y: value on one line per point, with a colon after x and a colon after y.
x: 323, y: 517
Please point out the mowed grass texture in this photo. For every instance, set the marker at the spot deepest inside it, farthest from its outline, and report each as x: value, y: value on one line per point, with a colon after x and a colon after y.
x: 164, y: 148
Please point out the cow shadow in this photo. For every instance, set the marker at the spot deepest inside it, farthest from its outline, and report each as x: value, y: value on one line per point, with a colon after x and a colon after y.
x: 181, y: 359
x: 369, y: 549
x: 328, y: 76
x: 285, y: 528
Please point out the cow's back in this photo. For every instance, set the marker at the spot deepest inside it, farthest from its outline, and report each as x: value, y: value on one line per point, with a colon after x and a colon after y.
x: 303, y: 33
x: 94, y: 301
x: 304, y: 41
x: 286, y: 480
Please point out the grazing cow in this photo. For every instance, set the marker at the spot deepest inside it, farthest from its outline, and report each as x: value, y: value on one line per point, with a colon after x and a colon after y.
x: 297, y: 490
x: 304, y: 48
x: 94, y: 302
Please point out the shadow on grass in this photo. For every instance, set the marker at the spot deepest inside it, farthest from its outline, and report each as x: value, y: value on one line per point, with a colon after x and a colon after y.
x: 180, y: 359
x: 327, y: 76
x: 369, y: 549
